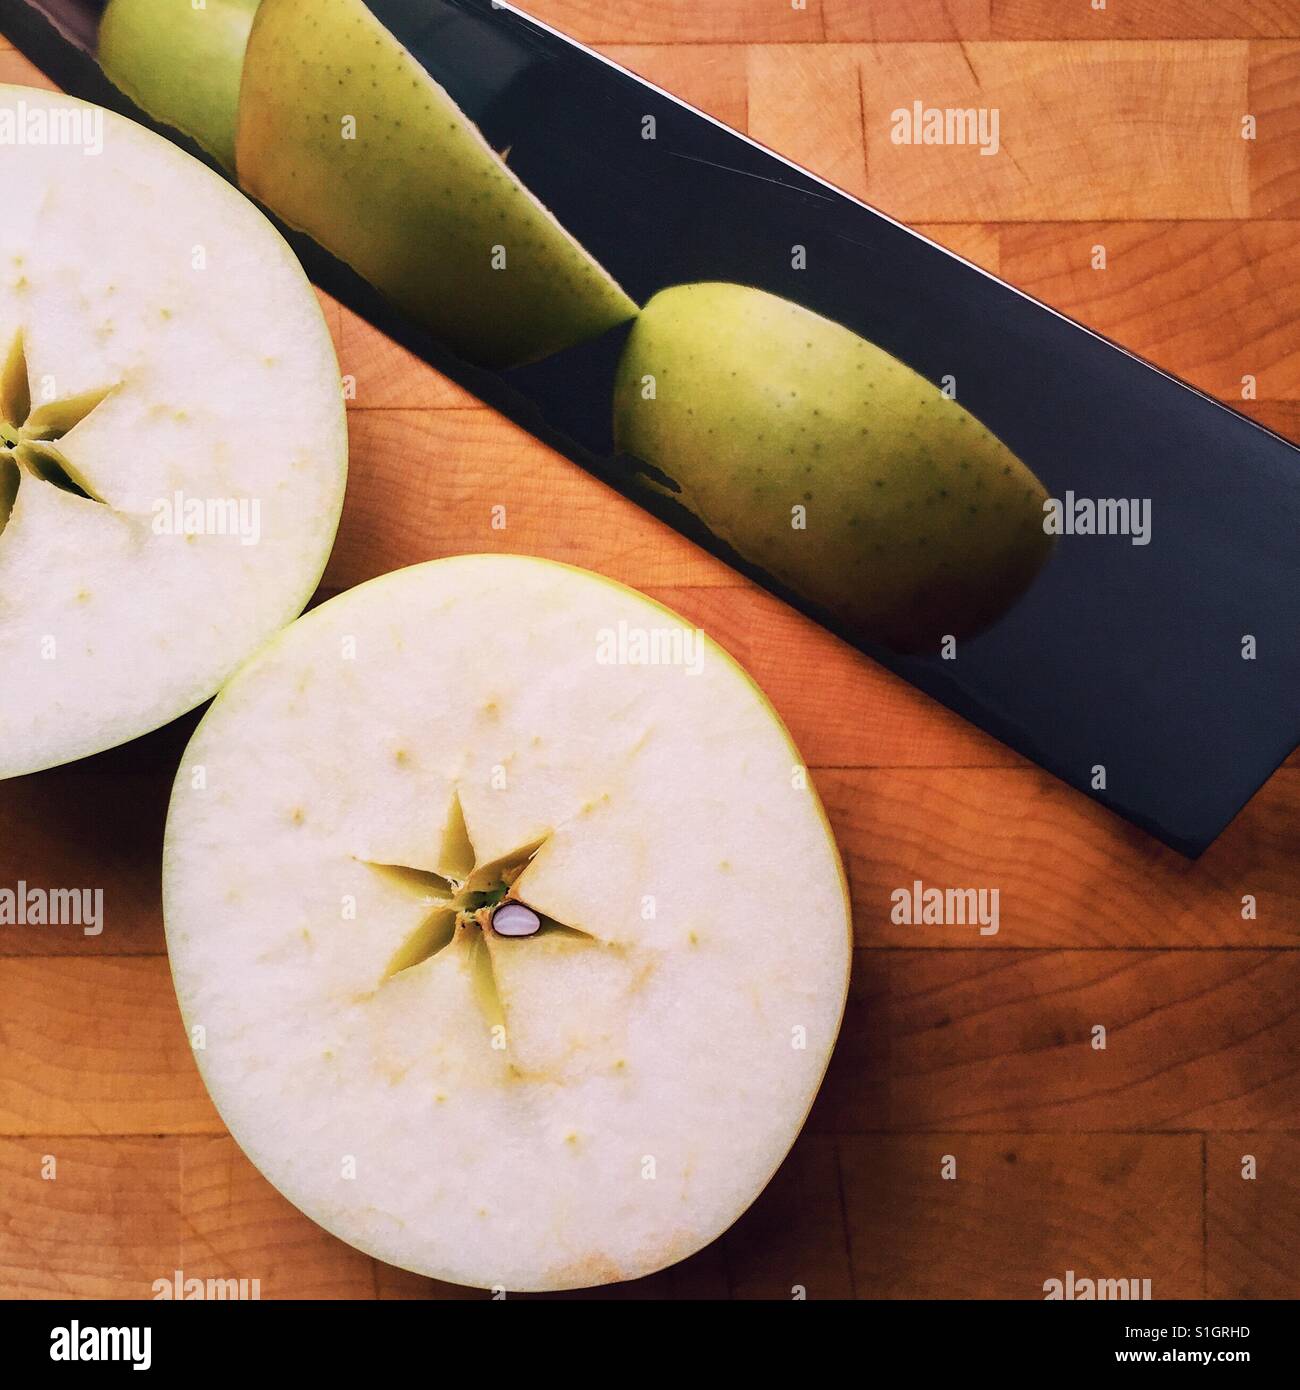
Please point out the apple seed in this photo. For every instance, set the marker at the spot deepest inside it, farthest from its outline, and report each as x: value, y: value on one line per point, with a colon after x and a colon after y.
x: 514, y: 919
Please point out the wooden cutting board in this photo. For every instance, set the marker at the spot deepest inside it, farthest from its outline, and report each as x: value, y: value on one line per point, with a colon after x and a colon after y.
x: 971, y: 1140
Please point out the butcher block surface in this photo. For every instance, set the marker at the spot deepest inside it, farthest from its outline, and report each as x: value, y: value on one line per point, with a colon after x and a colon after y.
x: 972, y: 1140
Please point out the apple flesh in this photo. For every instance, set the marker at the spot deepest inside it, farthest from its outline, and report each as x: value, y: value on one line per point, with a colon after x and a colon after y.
x: 181, y: 64
x: 344, y: 135
x: 572, y: 1105
x: 829, y: 464
x: 165, y: 372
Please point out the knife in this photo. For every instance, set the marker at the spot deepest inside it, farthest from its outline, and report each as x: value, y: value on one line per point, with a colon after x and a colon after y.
x: 1162, y: 679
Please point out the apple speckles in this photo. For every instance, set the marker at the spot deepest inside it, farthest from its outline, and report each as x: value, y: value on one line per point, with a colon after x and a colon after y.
x: 553, y: 293
x: 611, y: 1052
x: 864, y: 437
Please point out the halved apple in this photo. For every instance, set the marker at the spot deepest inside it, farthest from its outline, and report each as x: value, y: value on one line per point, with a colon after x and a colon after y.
x: 507, y: 926
x: 181, y: 62
x: 345, y: 135
x: 172, y: 442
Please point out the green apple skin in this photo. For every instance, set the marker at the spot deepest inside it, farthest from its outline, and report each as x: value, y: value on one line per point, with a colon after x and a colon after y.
x: 345, y: 136
x: 180, y: 64
x: 919, y: 523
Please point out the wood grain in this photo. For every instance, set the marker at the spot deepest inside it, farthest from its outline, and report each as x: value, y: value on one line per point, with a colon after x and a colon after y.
x: 1021, y: 1210
x: 379, y: 374
x: 802, y: 1217
x: 1283, y: 417
x: 91, y: 829
x: 981, y: 1039
x: 712, y: 77
x: 973, y: 1037
x: 886, y: 21
x: 1275, y: 154
x: 1068, y: 872
x: 978, y: 242
x: 237, y: 1226
x: 1252, y: 1223
x: 424, y: 483
x: 1213, y: 302
x: 96, y: 1046
x: 118, y: 1215
x: 1118, y: 128
x: 1144, y: 19
x: 1150, y: 130
x: 88, y: 1218
x: 840, y: 726
x: 805, y: 102
x: 682, y: 21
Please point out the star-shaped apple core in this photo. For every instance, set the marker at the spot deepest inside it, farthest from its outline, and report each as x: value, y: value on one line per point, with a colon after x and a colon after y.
x: 28, y: 435
x: 469, y: 899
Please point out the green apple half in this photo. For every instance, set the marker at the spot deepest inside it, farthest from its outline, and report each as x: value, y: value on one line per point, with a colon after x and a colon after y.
x: 181, y: 63
x: 829, y: 464
x: 496, y: 735
x: 172, y: 442
x: 345, y: 135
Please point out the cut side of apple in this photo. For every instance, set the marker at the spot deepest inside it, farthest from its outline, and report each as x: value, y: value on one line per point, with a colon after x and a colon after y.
x: 508, y: 929
x: 172, y: 443
x: 344, y: 135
